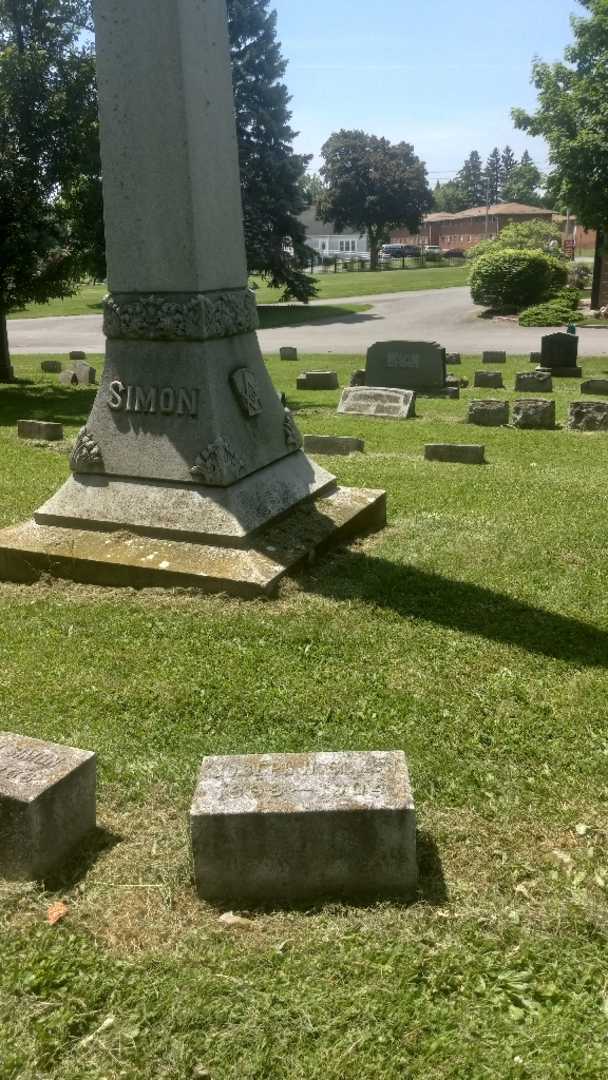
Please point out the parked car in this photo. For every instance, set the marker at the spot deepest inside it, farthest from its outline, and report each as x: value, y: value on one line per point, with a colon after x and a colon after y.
x: 433, y: 249
x: 455, y: 253
x: 399, y: 251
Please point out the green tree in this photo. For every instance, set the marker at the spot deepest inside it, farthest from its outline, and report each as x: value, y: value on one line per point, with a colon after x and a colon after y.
x: 524, y: 183
x: 508, y: 162
x: 44, y: 74
x: 313, y: 187
x: 571, y: 116
x: 493, y: 177
x: 523, y: 236
x: 449, y: 197
x: 373, y: 186
x: 470, y: 180
x: 271, y: 173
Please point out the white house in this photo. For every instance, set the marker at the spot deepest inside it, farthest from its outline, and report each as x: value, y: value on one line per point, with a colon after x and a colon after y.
x: 325, y: 240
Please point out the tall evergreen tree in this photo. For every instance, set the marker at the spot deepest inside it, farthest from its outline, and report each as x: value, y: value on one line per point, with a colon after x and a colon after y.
x: 524, y: 183
x: 492, y: 177
x: 45, y: 75
x: 449, y: 197
x: 508, y: 161
x: 271, y: 173
x: 470, y: 180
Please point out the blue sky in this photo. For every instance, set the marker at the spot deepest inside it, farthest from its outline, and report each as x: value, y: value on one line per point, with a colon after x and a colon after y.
x: 440, y: 74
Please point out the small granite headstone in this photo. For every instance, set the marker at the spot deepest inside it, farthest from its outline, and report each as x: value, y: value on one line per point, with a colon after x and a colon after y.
x: 378, y: 401
x: 77, y: 354
x: 68, y: 378
x: 491, y: 380
x: 459, y: 453
x: 534, y: 413
x: 407, y: 365
x: 47, y: 805
x: 453, y: 358
x: 536, y: 358
x: 287, y: 352
x: 559, y: 353
x: 51, y: 367
x: 39, y: 429
x: 85, y: 374
x: 588, y: 416
x: 594, y: 386
x: 290, y: 827
x: 489, y: 413
x: 539, y: 381
x: 332, y: 444
x: 489, y: 357
x: 358, y: 377
x: 317, y: 380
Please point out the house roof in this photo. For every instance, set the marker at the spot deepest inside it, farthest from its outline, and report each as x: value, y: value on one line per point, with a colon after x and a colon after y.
x: 316, y: 227
x: 511, y: 209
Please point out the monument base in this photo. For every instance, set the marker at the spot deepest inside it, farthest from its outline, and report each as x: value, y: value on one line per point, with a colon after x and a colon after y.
x: 564, y: 372
x: 121, y: 558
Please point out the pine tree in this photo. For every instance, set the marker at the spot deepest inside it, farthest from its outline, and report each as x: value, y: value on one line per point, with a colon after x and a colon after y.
x: 523, y: 183
x: 271, y: 173
x: 492, y: 177
x: 470, y: 181
x: 508, y: 162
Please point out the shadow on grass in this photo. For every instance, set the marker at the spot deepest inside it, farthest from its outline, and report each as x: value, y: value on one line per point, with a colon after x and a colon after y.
x: 24, y: 400
x: 76, y: 868
x: 273, y: 316
x: 459, y: 605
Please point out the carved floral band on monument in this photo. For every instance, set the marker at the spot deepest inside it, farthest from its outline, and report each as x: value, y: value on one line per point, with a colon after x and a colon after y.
x: 293, y: 437
x: 179, y: 316
x: 86, y: 454
x: 219, y: 464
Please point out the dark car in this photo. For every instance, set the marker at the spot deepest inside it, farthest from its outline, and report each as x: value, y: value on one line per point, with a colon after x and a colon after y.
x: 455, y: 253
x: 399, y: 251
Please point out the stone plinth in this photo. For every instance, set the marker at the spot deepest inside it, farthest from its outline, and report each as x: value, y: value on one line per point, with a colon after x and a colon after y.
x: 44, y: 430
x: 534, y: 413
x: 496, y: 357
x: 588, y: 416
x: 459, y: 453
x: 317, y: 380
x: 489, y: 413
x: 594, y: 386
x: 565, y: 372
x: 489, y: 380
x: 534, y: 382
x: 47, y: 805
x: 378, y: 401
x: 290, y: 827
x: 333, y: 444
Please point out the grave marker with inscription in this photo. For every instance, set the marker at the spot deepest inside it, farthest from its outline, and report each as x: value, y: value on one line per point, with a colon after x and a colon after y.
x: 378, y: 401
x: 187, y: 437
x: 559, y: 353
x: 407, y: 365
x: 47, y: 805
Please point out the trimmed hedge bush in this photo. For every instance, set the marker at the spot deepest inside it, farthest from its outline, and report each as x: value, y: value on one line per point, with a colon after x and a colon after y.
x: 562, y: 309
x: 512, y: 279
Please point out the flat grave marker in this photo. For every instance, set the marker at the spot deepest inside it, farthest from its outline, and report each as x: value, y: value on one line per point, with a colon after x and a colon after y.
x: 380, y: 401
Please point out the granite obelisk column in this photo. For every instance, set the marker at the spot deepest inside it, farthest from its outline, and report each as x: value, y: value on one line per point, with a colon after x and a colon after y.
x: 187, y: 440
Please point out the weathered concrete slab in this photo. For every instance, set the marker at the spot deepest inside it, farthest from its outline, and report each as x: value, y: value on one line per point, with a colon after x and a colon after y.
x: 289, y: 827
x: 47, y: 804
x: 333, y: 444
x: 378, y: 401
x: 594, y: 386
x: 534, y: 381
x: 459, y: 453
x: 534, y: 413
x: 489, y: 413
x: 494, y: 357
x: 588, y: 416
x: 44, y: 430
x: 123, y: 559
x: 318, y: 380
x: 489, y: 380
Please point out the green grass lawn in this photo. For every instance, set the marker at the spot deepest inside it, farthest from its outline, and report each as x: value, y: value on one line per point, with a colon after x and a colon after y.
x: 330, y: 286
x: 472, y: 633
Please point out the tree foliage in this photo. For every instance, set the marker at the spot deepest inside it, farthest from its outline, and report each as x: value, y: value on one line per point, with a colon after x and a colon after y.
x: 572, y: 116
x: 372, y: 186
x: 525, y: 236
x: 509, y: 279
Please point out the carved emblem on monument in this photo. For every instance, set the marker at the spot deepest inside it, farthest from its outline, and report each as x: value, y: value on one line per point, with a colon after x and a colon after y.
x: 246, y: 390
x: 293, y: 437
x: 219, y: 464
x: 86, y: 453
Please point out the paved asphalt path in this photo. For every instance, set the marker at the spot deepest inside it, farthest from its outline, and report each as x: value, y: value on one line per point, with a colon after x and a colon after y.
x: 443, y: 315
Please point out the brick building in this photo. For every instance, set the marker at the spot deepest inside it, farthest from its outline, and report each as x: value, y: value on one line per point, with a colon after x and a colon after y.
x: 467, y: 228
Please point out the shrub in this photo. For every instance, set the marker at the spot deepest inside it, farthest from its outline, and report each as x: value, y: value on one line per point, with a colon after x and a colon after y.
x: 557, y: 312
x: 510, y: 279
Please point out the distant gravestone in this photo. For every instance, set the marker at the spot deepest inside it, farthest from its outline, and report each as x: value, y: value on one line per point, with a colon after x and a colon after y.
x: 536, y: 358
x: 407, y: 365
x: 358, y: 377
x: 68, y: 378
x: 489, y: 413
x: 458, y: 453
x: 317, y: 380
x: 453, y: 358
x: 289, y: 827
x: 51, y: 367
x: 491, y: 380
x: 287, y: 352
x: 594, y: 386
x: 391, y: 404
x: 560, y: 353
x: 489, y: 357
x: 534, y: 381
x: 332, y: 444
x: 534, y: 413
x: 85, y: 374
x: 77, y: 354
x: 47, y: 805
x: 39, y: 429
x: 588, y: 416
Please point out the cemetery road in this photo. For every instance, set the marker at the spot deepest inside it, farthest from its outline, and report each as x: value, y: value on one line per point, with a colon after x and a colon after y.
x: 443, y: 315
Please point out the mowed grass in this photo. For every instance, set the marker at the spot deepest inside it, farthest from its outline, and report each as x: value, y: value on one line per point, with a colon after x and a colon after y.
x: 330, y: 286
x: 471, y: 633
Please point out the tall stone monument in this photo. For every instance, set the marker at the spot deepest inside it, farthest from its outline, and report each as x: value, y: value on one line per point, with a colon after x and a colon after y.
x: 189, y: 470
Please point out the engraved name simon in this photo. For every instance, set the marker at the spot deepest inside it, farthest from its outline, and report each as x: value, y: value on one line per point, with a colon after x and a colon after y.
x: 168, y: 400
